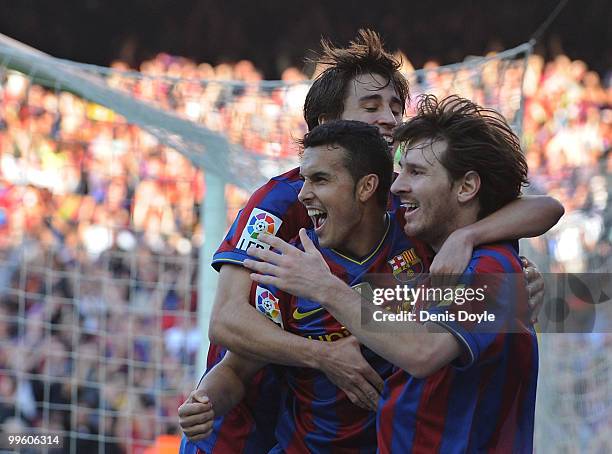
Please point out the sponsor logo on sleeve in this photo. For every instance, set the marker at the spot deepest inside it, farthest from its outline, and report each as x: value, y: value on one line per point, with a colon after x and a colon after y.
x: 267, y: 303
x: 260, y: 221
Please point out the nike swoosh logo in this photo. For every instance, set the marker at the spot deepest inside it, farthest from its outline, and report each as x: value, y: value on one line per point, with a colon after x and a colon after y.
x: 300, y: 315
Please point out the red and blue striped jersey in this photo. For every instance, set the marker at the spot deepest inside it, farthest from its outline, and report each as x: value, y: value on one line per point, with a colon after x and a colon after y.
x: 316, y: 416
x: 249, y: 427
x: 485, y: 400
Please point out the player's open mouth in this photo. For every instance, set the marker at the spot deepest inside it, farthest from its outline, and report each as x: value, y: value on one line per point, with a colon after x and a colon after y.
x: 411, y: 207
x: 318, y: 218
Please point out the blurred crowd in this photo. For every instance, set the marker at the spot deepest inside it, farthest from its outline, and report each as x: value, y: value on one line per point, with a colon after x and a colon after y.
x: 567, y: 131
x: 100, y: 224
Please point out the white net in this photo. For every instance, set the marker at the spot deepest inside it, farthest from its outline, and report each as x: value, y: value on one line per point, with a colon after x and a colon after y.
x: 574, y: 408
x: 495, y: 81
x: 101, y: 224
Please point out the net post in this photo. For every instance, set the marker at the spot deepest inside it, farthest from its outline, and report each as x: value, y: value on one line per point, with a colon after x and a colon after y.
x: 213, y: 212
x: 520, y: 116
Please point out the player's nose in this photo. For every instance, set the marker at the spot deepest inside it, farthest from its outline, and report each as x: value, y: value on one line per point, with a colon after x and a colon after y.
x: 305, y: 193
x: 387, y: 119
x: 401, y: 185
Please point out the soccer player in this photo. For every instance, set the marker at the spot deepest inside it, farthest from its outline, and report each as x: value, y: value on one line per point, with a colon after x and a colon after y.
x: 347, y: 171
x: 360, y: 82
x: 457, y: 389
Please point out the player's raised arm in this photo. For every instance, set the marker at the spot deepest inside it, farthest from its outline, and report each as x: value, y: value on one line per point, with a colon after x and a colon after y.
x: 419, y: 350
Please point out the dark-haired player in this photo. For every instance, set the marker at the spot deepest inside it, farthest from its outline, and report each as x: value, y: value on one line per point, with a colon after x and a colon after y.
x: 347, y: 171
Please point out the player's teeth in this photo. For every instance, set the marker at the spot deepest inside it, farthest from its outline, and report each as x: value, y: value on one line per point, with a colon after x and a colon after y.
x: 315, y: 212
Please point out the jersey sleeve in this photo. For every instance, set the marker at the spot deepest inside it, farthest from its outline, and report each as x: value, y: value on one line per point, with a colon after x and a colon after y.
x: 270, y: 301
x: 498, y: 296
x: 274, y: 209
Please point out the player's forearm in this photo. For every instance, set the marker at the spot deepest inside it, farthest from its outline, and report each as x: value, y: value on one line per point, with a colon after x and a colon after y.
x: 525, y: 217
x: 245, y: 331
x: 224, y: 389
x: 416, y: 349
x: 238, y: 326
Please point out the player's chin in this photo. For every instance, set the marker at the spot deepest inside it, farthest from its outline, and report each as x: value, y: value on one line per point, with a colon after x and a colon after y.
x: 323, y: 242
x: 412, y: 229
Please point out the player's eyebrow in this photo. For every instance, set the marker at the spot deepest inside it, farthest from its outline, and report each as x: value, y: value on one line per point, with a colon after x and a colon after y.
x: 321, y: 174
x: 370, y: 98
x: 411, y: 165
x: 375, y: 97
x: 316, y: 175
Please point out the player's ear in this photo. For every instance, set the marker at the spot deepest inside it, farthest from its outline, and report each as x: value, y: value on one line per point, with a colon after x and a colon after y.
x: 366, y: 187
x: 323, y: 118
x: 468, y: 187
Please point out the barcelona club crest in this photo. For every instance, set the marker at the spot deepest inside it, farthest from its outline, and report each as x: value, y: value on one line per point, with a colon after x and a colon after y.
x: 267, y: 303
x: 406, y: 266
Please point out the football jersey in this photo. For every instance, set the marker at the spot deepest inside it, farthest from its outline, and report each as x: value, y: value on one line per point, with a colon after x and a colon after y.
x: 316, y: 416
x: 275, y: 209
x: 485, y: 400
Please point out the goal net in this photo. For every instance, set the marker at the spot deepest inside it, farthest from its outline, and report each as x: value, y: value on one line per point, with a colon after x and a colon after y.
x: 115, y: 188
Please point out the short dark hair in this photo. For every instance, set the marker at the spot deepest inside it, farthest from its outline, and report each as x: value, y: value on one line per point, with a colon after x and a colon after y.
x: 366, y: 152
x: 478, y: 139
x: 364, y: 55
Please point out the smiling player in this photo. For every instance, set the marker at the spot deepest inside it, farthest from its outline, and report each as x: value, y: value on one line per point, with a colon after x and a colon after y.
x: 347, y: 171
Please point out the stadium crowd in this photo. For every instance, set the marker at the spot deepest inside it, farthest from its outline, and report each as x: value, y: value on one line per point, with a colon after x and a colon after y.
x: 100, y: 226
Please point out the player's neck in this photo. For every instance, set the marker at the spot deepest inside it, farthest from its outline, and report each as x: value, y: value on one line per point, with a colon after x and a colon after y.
x: 366, y: 235
x: 463, y: 219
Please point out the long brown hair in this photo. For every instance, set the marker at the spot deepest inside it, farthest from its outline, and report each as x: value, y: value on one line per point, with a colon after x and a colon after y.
x: 478, y: 139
